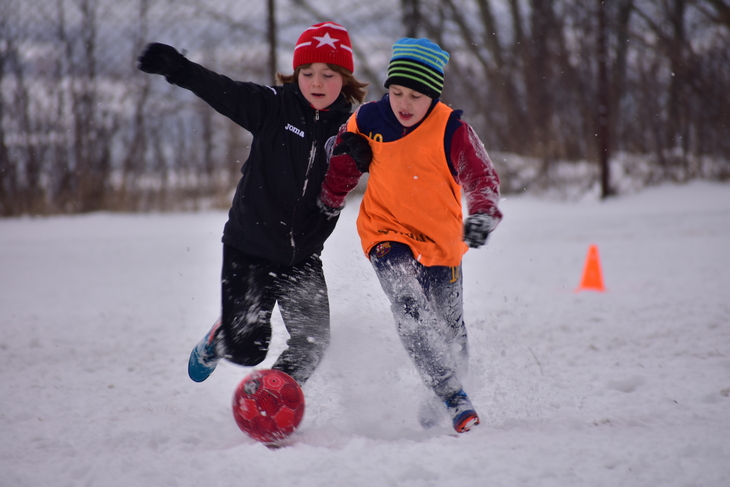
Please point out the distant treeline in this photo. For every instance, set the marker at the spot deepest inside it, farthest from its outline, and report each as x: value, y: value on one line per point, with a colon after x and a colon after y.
x: 552, y: 80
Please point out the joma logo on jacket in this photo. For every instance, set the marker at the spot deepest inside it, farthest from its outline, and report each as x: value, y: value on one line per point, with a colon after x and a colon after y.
x: 292, y: 128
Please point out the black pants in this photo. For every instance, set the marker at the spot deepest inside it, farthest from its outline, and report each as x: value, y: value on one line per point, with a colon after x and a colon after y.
x: 250, y: 289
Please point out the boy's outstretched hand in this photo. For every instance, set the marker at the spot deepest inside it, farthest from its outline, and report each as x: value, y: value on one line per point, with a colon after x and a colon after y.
x: 357, y: 147
x: 476, y: 229
x: 160, y: 59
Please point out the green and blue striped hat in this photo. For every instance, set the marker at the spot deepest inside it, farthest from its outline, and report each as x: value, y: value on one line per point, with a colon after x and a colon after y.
x: 418, y: 64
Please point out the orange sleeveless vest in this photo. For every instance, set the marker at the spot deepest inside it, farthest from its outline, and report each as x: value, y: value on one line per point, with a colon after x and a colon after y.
x: 411, y: 196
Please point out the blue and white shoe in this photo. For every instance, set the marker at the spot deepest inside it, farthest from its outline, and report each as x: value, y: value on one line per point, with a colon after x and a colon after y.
x: 462, y: 412
x: 204, y: 357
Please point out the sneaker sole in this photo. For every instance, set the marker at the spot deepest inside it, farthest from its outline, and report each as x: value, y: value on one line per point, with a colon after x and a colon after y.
x: 466, y: 421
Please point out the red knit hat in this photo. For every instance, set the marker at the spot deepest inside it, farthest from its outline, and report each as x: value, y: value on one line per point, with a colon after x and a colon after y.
x: 325, y: 42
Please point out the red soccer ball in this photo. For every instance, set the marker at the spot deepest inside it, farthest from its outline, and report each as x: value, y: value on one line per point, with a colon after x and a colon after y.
x: 268, y: 405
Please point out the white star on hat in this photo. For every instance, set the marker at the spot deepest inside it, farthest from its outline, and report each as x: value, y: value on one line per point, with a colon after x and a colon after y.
x: 326, y: 40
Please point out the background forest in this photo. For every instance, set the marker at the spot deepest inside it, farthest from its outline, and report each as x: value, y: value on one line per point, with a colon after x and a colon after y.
x: 602, y: 91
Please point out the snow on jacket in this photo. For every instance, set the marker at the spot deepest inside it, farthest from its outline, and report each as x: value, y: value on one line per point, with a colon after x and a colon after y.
x: 466, y: 156
x: 274, y: 214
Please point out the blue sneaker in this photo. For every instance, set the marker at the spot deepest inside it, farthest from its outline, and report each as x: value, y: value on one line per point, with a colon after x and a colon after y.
x: 204, y: 357
x: 462, y: 412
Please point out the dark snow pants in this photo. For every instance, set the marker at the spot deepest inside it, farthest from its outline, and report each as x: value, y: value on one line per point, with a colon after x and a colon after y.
x: 427, y: 304
x: 250, y: 289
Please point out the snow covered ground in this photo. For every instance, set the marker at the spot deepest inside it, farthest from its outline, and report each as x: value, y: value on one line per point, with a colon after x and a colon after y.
x: 629, y: 387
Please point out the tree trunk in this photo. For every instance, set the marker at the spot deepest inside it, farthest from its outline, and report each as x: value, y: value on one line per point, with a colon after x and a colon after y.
x: 271, y: 35
x: 603, y: 112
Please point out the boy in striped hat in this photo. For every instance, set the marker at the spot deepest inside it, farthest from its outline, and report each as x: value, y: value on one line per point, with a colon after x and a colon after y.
x: 420, y: 156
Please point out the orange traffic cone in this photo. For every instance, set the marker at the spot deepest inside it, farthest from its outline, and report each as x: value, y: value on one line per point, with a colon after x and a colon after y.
x: 592, y: 276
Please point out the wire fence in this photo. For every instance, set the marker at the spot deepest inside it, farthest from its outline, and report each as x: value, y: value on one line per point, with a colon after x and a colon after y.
x: 81, y: 129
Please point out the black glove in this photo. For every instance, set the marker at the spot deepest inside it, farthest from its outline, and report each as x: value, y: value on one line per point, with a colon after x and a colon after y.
x: 476, y: 229
x: 328, y: 210
x: 161, y: 59
x: 357, y: 147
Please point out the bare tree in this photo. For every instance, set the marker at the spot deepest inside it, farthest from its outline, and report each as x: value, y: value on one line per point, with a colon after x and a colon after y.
x: 271, y: 36
x: 81, y: 129
x: 8, y: 181
x: 411, y: 15
x: 603, y: 102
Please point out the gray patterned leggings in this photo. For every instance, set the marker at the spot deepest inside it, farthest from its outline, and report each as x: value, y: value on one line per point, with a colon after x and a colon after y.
x: 427, y: 304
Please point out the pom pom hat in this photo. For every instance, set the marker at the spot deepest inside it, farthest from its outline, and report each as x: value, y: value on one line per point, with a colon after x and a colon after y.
x: 418, y: 64
x: 325, y: 42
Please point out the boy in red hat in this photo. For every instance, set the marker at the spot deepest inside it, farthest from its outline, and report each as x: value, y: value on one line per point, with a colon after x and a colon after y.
x: 420, y: 156
x: 275, y: 233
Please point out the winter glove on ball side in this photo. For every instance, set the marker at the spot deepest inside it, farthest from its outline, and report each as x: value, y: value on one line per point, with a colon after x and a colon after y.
x: 357, y: 147
x: 476, y: 229
x: 161, y: 59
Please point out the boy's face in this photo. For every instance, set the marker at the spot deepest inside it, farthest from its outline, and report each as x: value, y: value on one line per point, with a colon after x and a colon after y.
x: 320, y: 85
x: 409, y: 106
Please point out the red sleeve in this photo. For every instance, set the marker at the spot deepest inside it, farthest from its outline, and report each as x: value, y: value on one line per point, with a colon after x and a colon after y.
x: 476, y: 174
x: 342, y: 176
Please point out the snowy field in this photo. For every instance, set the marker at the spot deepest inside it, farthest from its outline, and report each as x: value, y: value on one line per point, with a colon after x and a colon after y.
x: 628, y: 387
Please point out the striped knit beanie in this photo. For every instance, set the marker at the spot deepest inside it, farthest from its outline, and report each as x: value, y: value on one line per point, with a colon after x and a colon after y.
x: 418, y: 64
x: 325, y: 42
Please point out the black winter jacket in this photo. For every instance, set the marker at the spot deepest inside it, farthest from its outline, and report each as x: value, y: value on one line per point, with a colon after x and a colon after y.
x: 274, y: 214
